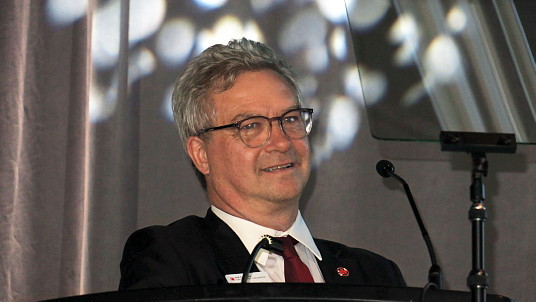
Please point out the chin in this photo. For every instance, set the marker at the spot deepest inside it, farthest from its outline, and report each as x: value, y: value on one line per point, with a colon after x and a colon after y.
x: 286, y: 193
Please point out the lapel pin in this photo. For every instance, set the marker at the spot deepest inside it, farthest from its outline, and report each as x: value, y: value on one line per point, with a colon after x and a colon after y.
x: 343, y: 272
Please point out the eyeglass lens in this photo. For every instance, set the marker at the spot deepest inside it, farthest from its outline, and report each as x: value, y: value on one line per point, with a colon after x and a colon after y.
x: 256, y: 131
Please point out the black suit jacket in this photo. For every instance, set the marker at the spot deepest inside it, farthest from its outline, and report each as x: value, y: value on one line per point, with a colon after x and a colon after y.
x: 201, y: 251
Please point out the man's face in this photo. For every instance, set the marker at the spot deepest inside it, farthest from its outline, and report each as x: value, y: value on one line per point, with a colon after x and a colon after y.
x: 239, y: 175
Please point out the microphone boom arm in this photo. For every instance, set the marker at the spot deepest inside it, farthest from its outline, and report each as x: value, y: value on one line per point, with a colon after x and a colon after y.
x: 435, y: 276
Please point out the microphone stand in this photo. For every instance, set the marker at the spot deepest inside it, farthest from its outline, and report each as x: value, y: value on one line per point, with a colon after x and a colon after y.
x: 267, y: 242
x: 435, y: 275
x: 477, y: 144
x: 478, y: 278
x: 262, y: 244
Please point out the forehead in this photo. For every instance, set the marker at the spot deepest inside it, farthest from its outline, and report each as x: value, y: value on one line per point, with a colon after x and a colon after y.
x: 255, y: 93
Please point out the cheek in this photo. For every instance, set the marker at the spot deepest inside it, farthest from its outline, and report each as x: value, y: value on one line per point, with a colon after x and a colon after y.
x: 303, y: 149
x: 230, y: 158
x: 305, y: 156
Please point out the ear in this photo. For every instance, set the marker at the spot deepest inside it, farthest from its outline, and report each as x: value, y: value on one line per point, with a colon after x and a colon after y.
x: 197, y: 151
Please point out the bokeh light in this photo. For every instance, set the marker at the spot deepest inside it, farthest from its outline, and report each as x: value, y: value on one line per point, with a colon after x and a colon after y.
x: 65, y: 12
x: 165, y: 108
x: 365, y: 14
x: 210, y: 4
x: 343, y: 122
x: 101, y: 103
x: 317, y: 58
x: 141, y: 63
x: 352, y: 83
x: 175, y: 42
x: 226, y: 28
x: 262, y: 6
x: 145, y: 18
x: 105, y: 35
x: 441, y: 60
x: 305, y: 29
x: 338, y: 44
x: 405, y: 33
x: 456, y: 19
x: 374, y: 85
x: 333, y: 11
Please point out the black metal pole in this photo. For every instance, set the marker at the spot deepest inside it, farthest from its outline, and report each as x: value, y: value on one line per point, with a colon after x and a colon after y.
x: 478, y: 278
x: 478, y: 143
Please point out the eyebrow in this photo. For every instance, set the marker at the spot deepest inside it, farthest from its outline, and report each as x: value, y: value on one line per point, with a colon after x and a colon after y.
x: 242, y: 116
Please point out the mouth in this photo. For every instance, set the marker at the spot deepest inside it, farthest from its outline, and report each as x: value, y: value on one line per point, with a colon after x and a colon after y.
x: 278, y: 168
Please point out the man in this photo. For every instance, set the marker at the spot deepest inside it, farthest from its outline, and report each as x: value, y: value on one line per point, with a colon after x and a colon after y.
x: 240, y: 117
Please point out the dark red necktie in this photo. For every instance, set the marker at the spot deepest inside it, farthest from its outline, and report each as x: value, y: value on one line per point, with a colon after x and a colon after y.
x: 295, y: 270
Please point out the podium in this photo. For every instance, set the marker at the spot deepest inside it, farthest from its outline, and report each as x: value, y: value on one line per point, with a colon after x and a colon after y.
x: 282, y: 292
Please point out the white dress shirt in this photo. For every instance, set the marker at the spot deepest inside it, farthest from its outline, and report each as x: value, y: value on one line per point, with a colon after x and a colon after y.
x: 271, y: 263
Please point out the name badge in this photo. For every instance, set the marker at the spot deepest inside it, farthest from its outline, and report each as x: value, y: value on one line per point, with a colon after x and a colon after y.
x: 256, y: 277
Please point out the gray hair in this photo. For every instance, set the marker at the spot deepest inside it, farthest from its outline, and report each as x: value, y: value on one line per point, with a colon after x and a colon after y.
x: 214, y: 71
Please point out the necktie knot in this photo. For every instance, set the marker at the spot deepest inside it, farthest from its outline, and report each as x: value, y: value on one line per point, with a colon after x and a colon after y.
x: 289, y: 251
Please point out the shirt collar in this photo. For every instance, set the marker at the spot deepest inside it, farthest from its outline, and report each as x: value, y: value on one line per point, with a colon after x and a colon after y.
x: 251, y: 233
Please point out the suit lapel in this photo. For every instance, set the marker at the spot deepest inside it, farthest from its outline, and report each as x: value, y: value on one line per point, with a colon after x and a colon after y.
x: 230, y: 253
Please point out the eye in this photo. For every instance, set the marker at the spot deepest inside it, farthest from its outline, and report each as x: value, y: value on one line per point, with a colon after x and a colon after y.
x: 251, y: 125
x: 291, y: 119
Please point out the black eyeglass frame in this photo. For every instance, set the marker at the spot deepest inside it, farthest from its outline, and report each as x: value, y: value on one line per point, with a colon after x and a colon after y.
x: 269, y: 119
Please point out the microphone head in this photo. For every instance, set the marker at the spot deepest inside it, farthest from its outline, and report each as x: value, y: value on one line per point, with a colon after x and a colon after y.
x: 385, y: 168
x: 272, y: 244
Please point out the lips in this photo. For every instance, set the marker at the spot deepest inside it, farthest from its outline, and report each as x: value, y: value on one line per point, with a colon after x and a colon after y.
x: 278, y: 168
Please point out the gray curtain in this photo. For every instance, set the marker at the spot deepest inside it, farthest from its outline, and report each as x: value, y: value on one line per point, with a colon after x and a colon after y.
x: 68, y: 189
x: 72, y: 189
x: 44, y: 154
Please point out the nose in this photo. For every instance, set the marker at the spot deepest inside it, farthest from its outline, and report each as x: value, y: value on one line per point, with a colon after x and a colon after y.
x: 278, y: 140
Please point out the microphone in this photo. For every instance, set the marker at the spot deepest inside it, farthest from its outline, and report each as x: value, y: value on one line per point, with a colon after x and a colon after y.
x: 435, y: 276
x: 268, y: 243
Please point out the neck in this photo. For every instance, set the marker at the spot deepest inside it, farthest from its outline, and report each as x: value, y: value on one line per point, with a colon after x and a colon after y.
x: 274, y: 215
x: 281, y: 221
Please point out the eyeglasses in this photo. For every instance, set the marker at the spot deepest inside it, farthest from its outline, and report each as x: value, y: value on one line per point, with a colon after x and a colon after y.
x: 255, y: 131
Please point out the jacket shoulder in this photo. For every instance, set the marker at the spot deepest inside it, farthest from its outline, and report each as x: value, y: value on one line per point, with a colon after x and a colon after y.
x: 373, y: 268
x: 189, y: 228
x: 158, y: 256
x: 340, y: 250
